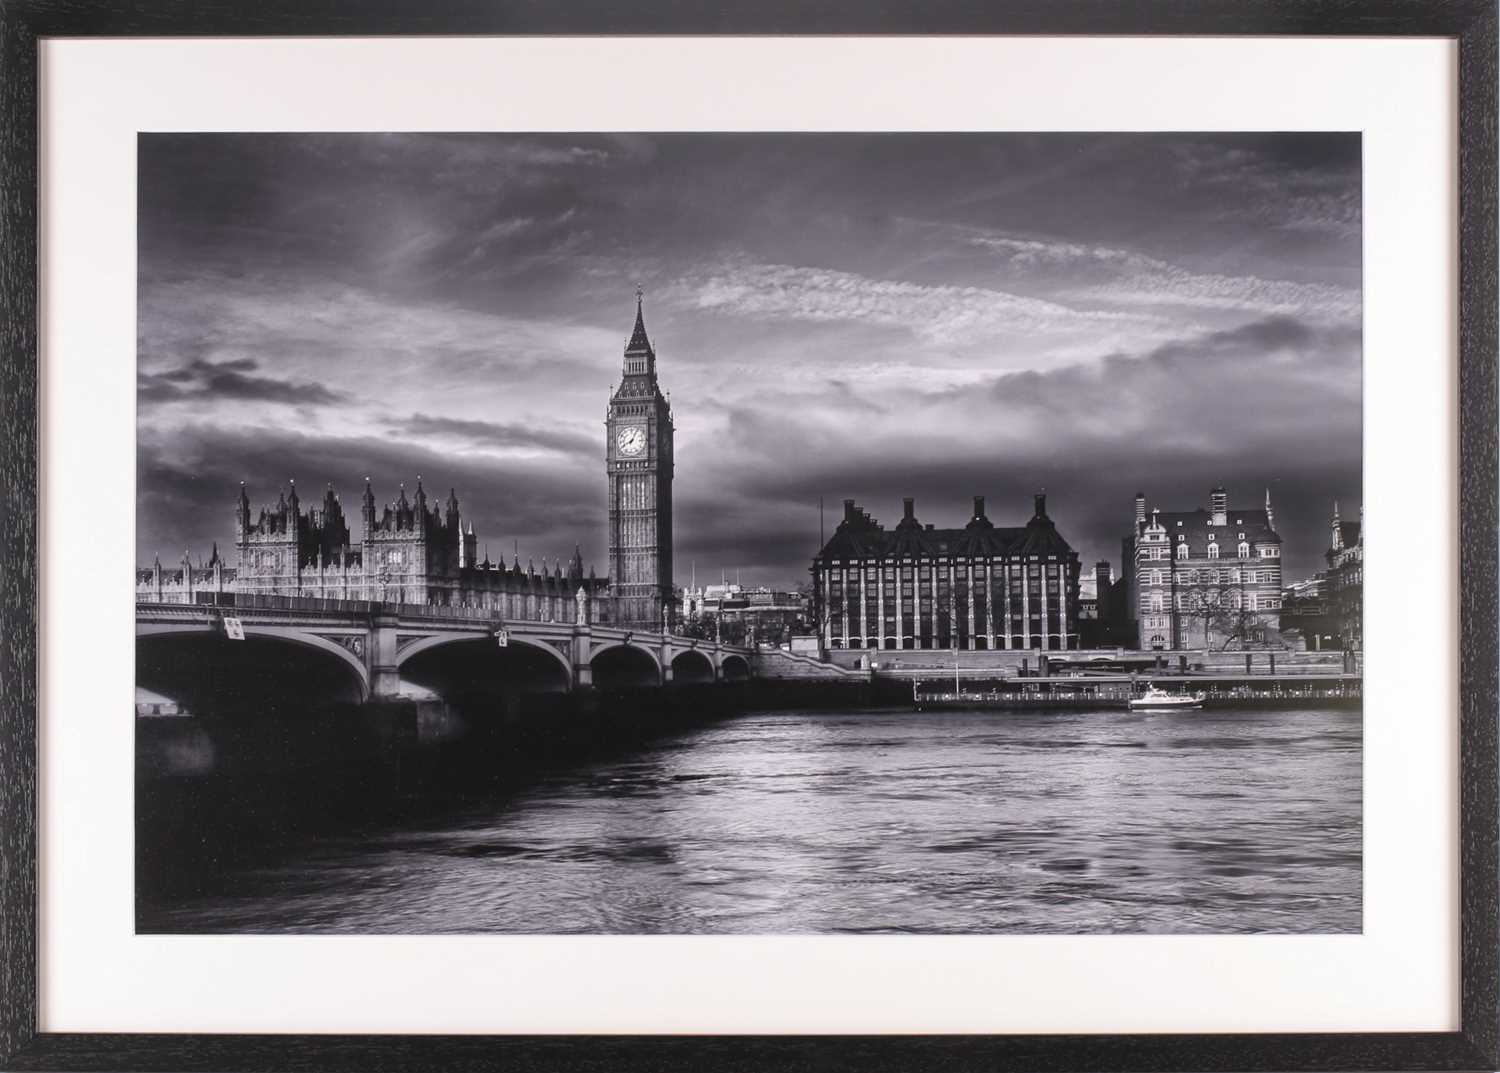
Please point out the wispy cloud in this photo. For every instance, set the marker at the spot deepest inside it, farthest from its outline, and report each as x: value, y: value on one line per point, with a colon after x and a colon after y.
x: 1272, y: 192
x: 937, y: 313
x: 1124, y: 277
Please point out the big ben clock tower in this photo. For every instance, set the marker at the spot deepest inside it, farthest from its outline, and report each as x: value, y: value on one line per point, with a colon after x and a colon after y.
x: 638, y: 461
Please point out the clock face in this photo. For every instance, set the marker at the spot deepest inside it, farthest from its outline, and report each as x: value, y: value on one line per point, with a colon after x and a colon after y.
x: 631, y: 440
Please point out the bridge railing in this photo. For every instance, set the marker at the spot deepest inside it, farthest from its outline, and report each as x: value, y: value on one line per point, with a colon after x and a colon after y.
x: 271, y: 602
x: 208, y: 601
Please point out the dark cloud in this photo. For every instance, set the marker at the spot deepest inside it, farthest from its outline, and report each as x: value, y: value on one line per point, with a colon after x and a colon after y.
x: 1269, y: 405
x: 230, y: 380
x: 502, y: 434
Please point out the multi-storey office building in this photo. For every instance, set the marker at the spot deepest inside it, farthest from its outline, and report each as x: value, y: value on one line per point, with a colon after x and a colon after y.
x: 920, y: 587
x: 1205, y: 578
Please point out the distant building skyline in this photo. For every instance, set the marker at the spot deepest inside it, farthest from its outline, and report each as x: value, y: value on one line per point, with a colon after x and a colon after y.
x: 838, y: 316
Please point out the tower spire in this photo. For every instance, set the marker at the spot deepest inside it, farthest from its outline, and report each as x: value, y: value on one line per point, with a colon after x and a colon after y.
x: 639, y: 342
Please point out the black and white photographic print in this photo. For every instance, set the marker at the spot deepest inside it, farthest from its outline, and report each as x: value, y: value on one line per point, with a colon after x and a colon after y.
x: 778, y: 533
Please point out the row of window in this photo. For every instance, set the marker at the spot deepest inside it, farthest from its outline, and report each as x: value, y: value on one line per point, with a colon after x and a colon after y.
x: 1209, y: 577
x: 959, y: 560
x: 1242, y: 551
x: 871, y: 573
x: 1050, y: 641
x: 1252, y: 602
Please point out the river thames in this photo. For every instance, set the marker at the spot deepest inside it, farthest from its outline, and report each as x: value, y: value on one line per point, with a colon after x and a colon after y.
x: 861, y: 822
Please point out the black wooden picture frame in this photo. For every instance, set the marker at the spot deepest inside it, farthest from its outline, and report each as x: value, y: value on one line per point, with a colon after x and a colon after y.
x: 1473, y: 23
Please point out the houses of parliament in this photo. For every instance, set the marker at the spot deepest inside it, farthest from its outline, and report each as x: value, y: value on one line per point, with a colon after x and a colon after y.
x: 414, y: 550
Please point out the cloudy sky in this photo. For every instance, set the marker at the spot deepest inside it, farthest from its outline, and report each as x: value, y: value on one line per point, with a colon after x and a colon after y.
x: 865, y: 316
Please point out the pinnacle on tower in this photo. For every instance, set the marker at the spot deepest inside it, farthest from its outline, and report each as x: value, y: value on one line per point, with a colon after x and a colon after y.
x: 638, y: 340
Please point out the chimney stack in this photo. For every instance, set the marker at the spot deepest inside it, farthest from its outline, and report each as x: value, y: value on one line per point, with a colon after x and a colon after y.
x: 979, y: 506
x: 1218, y: 502
x: 1040, y: 502
x: 848, y: 510
x: 908, y: 507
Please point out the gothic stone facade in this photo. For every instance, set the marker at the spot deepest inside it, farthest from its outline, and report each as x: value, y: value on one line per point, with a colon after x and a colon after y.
x: 917, y: 587
x: 182, y: 585
x: 1205, y: 578
x: 638, y: 463
x: 409, y: 553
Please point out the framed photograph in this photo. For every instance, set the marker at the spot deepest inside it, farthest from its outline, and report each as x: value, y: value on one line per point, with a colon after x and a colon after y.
x: 909, y: 537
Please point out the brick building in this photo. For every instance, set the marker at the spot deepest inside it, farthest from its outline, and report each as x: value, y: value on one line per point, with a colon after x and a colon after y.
x: 1343, y: 590
x: 918, y: 587
x: 1205, y: 578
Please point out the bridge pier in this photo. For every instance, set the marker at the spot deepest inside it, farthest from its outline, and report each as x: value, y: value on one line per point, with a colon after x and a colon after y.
x: 583, y: 671
x: 380, y: 649
x: 664, y: 657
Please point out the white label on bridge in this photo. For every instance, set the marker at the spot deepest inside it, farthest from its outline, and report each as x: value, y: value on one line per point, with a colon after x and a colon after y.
x: 502, y: 637
x: 234, y: 629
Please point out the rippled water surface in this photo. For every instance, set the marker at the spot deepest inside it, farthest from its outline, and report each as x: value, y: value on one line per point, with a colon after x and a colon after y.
x: 870, y: 821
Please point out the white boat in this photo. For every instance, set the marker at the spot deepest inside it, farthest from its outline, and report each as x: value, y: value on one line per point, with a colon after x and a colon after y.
x: 1159, y: 700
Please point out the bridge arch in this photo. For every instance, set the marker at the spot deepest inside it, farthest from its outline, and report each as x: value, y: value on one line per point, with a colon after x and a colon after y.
x: 734, y: 668
x: 472, y: 664
x: 622, y: 664
x: 196, y: 663
x: 426, y: 644
x: 691, y: 665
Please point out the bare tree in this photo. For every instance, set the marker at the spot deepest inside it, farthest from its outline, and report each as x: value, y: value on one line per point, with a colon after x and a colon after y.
x: 1213, y: 600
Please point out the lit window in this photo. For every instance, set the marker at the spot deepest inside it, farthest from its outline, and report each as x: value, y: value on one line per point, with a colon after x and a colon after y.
x: 1244, y: 550
x: 1213, y: 551
x: 1182, y: 551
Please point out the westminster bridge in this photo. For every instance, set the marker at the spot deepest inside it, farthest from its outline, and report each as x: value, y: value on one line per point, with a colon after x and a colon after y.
x: 361, y: 651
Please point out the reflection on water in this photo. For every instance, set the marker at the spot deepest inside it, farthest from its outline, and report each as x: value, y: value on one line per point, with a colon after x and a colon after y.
x: 889, y: 821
